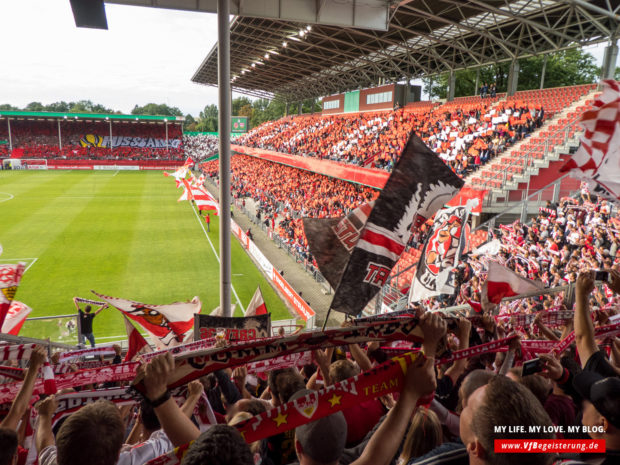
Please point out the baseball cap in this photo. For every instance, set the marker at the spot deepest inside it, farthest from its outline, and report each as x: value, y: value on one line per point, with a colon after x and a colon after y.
x: 602, y: 392
x: 322, y: 440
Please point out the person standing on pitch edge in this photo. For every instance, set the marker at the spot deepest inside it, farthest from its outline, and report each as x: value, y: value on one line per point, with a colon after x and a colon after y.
x: 208, y: 221
x: 86, y: 322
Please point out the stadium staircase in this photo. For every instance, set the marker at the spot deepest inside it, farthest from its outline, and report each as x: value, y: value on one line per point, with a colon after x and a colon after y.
x: 550, y: 143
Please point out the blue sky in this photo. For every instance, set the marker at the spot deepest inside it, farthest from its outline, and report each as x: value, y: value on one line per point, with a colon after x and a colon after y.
x: 147, y: 55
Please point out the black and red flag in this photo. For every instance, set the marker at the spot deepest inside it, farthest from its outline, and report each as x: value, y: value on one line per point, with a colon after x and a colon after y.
x: 357, y: 253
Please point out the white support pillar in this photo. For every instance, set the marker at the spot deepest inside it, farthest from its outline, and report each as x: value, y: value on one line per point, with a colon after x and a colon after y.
x: 8, y: 121
x: 59, y: 136
x: 224, y: 103
x: 608, y: 70
x: 477, y: 85
x: 167, y: 146
x: 111, y: 141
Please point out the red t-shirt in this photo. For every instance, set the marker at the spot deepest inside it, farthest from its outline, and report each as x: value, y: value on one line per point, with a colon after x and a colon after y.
x: 361, y: 419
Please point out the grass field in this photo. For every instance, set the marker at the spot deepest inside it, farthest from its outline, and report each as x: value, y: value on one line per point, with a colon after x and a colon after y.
x: 121, y: 234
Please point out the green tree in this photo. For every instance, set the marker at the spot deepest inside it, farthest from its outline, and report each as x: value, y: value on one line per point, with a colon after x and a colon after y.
x: 8, y: 107
x: 61, y: 106
x: 565, y: 68
x: 190, y: 123
x: 160, y: 109
x: 238, y: 103
x: 35, y: 106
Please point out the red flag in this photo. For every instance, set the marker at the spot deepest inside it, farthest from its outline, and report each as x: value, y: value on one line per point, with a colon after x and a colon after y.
x: 503, y: 282
x: 137, y: 343
x: 10, y: 276
x: 15, y: 318
x: 257, y: 304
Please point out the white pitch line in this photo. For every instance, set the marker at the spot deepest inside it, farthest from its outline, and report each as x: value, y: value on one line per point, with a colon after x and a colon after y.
x: 31, y: 263
x: 115, y: 173
x: 216, y: 255
x: 11, y: 197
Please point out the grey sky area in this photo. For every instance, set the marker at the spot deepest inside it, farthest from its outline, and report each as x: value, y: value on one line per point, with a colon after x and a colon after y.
x: 147, y: 55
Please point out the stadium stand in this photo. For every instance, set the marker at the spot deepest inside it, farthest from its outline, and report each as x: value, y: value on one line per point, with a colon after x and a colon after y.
x: 85, y: 140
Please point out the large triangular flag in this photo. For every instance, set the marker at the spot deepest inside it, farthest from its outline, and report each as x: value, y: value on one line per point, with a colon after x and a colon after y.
x: 503, y: 282
x: 597, y: 161
x: 441, y: 254
x: 137, y: 343
x: 257, y: 304
x: 167, y: 325
x: 10, y: 276
x: 15, y: 318
x: 420, y: 184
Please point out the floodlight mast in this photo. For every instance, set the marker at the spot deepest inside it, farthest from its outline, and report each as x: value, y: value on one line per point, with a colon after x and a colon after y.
x: 224, y: 110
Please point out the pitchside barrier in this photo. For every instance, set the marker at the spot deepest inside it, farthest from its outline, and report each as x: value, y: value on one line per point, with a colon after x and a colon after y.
x: 296, y: 302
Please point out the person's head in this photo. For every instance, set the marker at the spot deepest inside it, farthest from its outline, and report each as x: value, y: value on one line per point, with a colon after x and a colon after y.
x: 539, y: 386
x: 8, y: 446
x: 342, y: 369
x: 474, y: 380
x: 87, y: 309
x: 320, y: 442
x: 423, y: 436
x: 502, y: 402
x: 251, y: 406
x: 94, y: 435
x: 283, y: 383
x: 601, y: 404
x: 219, y: 445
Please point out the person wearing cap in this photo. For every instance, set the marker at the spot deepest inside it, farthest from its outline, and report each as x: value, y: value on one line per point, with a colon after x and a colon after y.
x: 601, y: 413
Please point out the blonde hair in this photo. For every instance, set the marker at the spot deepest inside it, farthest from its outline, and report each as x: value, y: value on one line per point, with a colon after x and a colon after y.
x: 255, y: 447
x: 424, y: 435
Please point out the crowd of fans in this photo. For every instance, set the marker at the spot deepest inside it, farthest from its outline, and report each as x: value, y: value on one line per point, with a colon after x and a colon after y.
x: 445, y: 413
x: 200, y: 146
x: 283, y: 195
x: 464, y: 135
x: 39, y: 139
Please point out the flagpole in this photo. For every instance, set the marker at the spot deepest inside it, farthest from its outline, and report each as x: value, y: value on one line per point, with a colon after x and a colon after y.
x: 223, y: 82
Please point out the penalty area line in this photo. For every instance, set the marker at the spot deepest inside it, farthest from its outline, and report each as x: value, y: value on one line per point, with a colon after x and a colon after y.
x: 216, y: 255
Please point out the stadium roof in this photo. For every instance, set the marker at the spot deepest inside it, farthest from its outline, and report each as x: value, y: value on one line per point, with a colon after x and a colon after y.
x: 292, y: 60
x: 88, y: 116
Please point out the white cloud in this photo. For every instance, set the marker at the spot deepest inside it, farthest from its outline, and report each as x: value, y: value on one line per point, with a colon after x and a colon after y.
x: 147, y: 55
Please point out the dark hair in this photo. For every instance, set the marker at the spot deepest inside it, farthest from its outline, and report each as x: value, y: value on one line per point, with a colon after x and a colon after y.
x: 509, y: 403
x: 474, y: 380
x: 8, y: 445
x: 87, y: 309
x: 289, y: 384
x: 148, y: 417
x: 219, y: 445
x: 94, y: 435
x: 539, y: 386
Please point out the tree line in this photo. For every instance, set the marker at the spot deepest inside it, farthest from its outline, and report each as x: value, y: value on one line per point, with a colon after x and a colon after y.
x: 565, y: 68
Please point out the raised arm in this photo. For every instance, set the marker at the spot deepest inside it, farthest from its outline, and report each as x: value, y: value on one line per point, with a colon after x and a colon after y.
x: 384, y: 443
x: 458, y: 367
x: 584, y: 328
x: 44, y: 435
x: 177, y: 426
x: 22, y: 400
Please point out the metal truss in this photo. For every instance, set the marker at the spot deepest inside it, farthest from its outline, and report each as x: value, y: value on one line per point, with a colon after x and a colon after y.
x: 425, y: 38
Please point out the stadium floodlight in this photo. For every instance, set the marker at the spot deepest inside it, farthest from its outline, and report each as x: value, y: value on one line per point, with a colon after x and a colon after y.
x: 243, y: 71
x: 308, y: 28
x: 266, y: 56
x: 284, y: 44
x: 302, y: 33
x: 253, y: 65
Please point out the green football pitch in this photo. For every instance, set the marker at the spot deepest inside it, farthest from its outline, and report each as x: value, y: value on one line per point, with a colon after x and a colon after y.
x: 120, y: 233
